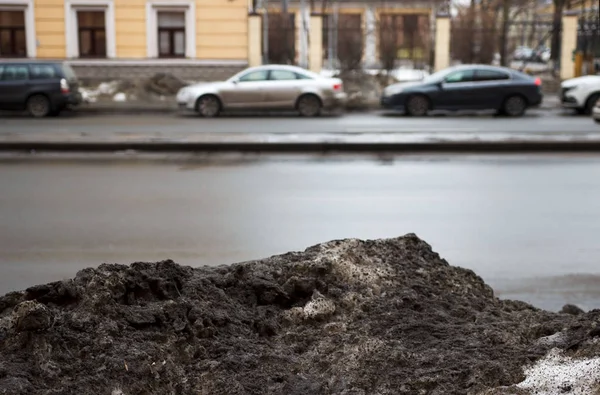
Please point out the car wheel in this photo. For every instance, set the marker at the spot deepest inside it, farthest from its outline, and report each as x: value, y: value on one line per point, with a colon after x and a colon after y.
x: 38, y: 106
x: 417, y: 106
x: 590, y: 103
x: 208, y: 106
x: 309, y: 106
x: 514, y: 106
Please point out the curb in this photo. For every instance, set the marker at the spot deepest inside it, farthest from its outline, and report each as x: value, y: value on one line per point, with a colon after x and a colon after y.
x: 133, y: 110
x: 306, y: 148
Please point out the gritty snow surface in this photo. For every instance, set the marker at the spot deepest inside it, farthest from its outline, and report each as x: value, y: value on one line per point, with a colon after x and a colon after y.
x: 559, y: 374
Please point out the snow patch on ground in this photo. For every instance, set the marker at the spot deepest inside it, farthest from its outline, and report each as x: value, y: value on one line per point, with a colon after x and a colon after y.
x: 558, y: 374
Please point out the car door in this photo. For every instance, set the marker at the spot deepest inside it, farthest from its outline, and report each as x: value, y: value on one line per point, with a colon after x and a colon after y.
x: 282, y: 89
x: 248, y: 91
x: 14, y: 85
x: 490, y: 87
x: 456, y: 91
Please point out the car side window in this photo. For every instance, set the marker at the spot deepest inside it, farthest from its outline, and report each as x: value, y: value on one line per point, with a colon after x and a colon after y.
x: 460, y: 76
x: 282, y: 75
x: 490, y: 75
x: 303, y: 76
x: 260, y: 75
x: 15, y: 72
x: 42, y: 71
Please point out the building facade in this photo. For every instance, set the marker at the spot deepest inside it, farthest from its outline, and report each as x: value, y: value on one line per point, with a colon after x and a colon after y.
x: 101, y: 36
x: 210, y: 39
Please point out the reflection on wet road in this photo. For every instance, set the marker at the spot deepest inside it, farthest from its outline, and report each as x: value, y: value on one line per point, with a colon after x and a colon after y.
x: 522, y: 223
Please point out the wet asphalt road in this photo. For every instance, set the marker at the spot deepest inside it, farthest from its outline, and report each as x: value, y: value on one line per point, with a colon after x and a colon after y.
x: 536, y: 121
x: 528, y: 225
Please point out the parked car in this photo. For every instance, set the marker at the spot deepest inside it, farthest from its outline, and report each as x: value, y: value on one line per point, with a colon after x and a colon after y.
x: 269, y: 87
x: 580, y: 93
x: 596, y: 111
x: 466, y: 87
x: 41, y: 88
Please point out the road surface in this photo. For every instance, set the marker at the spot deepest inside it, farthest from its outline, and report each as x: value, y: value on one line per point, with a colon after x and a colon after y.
x: 528, y: 225
x: 170, y: 124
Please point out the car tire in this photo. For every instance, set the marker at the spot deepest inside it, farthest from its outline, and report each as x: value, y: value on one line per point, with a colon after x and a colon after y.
x: 39, y: 106
x: 417, y: 106
x: 208, y: 106
x: 309, y: 106
x: 590, y: 103
x: 514, y: 106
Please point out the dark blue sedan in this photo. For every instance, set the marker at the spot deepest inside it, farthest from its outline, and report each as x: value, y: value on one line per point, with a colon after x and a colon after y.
x: 466, y: 87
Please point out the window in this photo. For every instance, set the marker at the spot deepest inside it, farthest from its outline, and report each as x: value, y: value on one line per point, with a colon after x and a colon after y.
x: 15, y: 72
x: 490, y: 75
x: 13, y: 42
x: 171, y: 34
x: 42, y: 71
x: 92, y: 34
x: 304, y: 77
x: 283, y: 75
x: 260, y: 75
x: 460, y: 76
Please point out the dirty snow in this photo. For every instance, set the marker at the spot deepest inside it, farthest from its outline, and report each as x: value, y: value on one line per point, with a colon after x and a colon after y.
x: 559, y: 374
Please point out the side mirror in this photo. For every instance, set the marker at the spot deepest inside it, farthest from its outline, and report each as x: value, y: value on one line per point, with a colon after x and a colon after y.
x: 235, y: 82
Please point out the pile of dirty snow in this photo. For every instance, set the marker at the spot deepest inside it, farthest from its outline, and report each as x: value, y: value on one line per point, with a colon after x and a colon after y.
x: 343, y: 317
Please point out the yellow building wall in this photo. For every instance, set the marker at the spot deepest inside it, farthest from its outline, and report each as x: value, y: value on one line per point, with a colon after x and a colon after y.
x: 130, y: 29
x: 50, y: 28
x: 222, y: 29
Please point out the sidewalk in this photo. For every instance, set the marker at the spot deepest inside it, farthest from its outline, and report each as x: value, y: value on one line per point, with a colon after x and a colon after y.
x: 551, y: 102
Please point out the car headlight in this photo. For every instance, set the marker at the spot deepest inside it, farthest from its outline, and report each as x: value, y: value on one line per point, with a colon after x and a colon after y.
x: 183, y: 94
x: 392, y: 90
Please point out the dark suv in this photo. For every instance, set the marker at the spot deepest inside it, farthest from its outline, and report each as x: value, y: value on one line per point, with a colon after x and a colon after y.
x: 41, y: 88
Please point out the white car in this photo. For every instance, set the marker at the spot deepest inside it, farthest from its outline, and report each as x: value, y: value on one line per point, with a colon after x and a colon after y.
x: 580, y: 93
x: 269, y: 87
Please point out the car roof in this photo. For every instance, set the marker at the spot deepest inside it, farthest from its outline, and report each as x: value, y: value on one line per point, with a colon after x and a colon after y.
x: 484, y: 67
x: 295, y: 69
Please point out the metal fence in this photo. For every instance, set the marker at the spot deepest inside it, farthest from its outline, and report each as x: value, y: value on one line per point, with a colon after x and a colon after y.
x: 343, y: 40
x: 404, y: 40
x: 281, y: 47
x: 588, y: 34
x: 522, y: 40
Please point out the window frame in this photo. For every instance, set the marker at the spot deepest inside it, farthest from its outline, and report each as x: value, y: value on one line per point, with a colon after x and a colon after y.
x: 92, y: 30
x: 28, y: 7
x: 153, y: 7
x: 171, y: 31
x: 72, y: 26
x: 12, y: 30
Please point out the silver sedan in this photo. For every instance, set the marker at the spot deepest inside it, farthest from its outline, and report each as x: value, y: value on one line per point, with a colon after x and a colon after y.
x: 262, y: 88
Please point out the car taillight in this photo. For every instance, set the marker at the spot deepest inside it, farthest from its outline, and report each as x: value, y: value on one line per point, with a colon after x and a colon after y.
x: 538, y: 81
x: 64, y: 86
x: 337, y: 87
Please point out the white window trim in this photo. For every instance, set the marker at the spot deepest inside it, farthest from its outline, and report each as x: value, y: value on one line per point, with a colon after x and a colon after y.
x: 71, y: 35
x: 152, y: 8
x: 28, y: 7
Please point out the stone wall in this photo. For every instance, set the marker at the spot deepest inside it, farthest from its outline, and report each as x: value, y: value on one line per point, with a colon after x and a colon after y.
x: 92, y: 73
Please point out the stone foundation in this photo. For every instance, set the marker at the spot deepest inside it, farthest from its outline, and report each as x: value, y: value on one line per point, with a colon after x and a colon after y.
x: 106, y: 71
